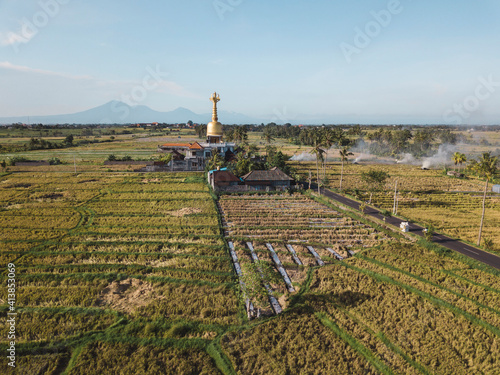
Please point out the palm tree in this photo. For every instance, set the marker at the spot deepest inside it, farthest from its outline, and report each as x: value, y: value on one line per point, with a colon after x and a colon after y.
x: 318, y: 152
x: 455, y: 158
x: 458, y: 158
x: 462, y: 159
x: 328, y: 140
x: 486, y: 167
x: 344, y: 156
x: 268, y: 136
x: 215, y: 161
x: 240, y: 134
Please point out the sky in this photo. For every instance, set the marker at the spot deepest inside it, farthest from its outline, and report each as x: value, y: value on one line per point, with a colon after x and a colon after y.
x: 367, y: 62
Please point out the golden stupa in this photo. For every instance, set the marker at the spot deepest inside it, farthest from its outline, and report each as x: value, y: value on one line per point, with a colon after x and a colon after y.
x: 214, y: 128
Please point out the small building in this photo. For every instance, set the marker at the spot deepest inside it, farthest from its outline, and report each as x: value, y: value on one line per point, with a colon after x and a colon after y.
x: 496, y: 189
x: 273, y: 179
x: 222, y: 179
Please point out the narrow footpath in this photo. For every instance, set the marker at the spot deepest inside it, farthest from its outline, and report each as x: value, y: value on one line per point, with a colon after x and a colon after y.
x: 450, y: 243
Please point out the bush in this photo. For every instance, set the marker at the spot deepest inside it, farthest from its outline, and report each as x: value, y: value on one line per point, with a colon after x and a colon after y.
x: 16, y: 159
x: 488, y: 243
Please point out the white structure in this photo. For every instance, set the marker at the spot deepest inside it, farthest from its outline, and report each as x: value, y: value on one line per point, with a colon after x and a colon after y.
x: 404, y: 226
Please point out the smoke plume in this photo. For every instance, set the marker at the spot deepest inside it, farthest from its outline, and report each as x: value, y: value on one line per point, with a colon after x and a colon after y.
x: 305, y: 156
x: 441, y: 158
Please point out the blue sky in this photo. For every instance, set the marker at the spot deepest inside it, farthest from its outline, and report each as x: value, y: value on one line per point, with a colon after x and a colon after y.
x: 283, y: 60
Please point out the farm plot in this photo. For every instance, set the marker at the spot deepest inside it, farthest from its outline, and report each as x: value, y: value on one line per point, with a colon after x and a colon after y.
x: 456, y: 214
x: 289, y: 234
x: 451, y: 205
x: 95, y: 249
x: 400, y: 308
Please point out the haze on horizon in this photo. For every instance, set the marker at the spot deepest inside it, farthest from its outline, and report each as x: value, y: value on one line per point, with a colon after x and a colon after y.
x: 386, y: 61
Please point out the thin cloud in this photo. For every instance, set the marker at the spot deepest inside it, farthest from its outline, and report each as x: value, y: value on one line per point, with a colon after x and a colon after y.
x: 176, y: 89
x: 26, y: 69
x: 161, y: 86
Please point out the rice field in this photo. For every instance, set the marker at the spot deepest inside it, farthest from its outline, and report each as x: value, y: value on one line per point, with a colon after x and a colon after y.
x: 136, y: 273
x: 452, y: 205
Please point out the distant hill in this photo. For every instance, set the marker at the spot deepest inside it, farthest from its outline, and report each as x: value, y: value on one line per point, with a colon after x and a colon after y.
x: 116, y: 112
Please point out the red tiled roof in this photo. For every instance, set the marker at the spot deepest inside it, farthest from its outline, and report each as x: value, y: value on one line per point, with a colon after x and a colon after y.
x: 195, y: 146
x: 176, y: 145
x: 191, y: 146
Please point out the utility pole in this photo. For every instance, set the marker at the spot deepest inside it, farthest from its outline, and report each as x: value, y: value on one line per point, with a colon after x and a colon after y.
x: 395, y: 206
x: 74, y: 162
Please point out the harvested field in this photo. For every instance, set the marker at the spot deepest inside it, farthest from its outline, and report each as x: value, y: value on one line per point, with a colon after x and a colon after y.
x: 126, y: 295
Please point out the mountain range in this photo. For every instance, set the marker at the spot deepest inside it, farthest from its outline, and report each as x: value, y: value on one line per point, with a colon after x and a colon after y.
x: 116, y: 112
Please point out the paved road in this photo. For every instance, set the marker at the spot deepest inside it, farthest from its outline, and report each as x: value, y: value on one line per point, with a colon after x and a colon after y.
x: 450, y: 243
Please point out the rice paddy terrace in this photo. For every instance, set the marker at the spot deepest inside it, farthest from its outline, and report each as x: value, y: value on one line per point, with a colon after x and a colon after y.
x: 141, y: 274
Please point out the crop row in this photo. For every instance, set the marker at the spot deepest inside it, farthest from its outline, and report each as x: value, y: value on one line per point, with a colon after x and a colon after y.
x: 305, y: 220
x: 410, y: 178
x: 436, y: 337
x: 150, y: 260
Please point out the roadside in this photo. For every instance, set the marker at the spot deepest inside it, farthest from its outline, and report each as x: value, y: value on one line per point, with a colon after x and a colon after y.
x: 450, y: 243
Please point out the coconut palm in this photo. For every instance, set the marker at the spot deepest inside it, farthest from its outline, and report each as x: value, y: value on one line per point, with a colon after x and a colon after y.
x: 486, y: 167
x: 267, y: 135
x: 329, y: 138
x: 240, y: 134
x: 458, y: 158
x: 344, y: 156
x: 215, y: 161
x: 461, y: 159
x: 318, y: 152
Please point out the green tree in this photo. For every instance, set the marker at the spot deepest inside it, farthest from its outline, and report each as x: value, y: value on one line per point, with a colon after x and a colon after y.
x: 215, y: 161
x: 240, y: 134
x: 268, y: 136
x: 429, y: 232
x: 69, y: 140
x: 486, y: 167
x: 329, y: 137
x: 252, y: 150
x: 166, y: 158
x: 374, y: 181
x: 318, y: 152
x: 201, y: 131
x: 344, y: 157
x: 243, y: 165
x: 460, y: 159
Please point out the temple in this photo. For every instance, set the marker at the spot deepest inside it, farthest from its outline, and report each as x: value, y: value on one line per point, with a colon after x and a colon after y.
x: 192, y: 156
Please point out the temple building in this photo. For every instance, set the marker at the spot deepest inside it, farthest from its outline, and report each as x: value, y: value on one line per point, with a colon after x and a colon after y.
x: 192, y: 156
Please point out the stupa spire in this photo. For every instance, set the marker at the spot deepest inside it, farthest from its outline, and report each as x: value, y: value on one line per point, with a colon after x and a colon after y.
x: 215, y: 98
